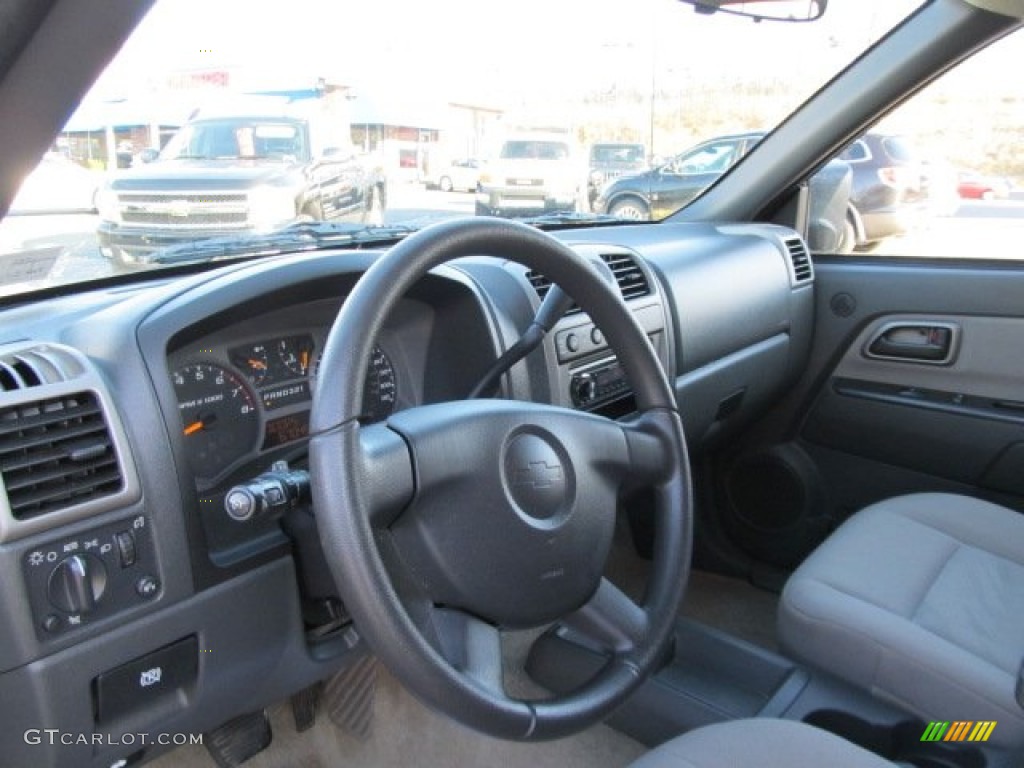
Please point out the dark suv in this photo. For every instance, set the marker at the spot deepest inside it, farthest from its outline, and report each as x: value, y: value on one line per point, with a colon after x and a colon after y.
x: 892, y: 188
x: 609, y: 161
x: 667, y: 188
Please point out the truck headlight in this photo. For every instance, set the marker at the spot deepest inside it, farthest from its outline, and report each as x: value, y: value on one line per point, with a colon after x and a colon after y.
x: 270, y: 207
x: 107, y: 205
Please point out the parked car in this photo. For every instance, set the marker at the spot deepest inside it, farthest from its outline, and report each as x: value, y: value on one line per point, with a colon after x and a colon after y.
x: 531, y: 173
x: 229, y: 174
x: 664, y: 189
x: 894, y: 189
x: 57, y: 184
x: 978, y: 186
x: 891, y: 190
x: 458, y: 175
x: 609, y: 161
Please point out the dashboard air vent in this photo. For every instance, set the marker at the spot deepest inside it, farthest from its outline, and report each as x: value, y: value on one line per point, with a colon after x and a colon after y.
x: 801, y: 260
x: 56, y: 453
x: 36, y: 366
x: 630, y: 277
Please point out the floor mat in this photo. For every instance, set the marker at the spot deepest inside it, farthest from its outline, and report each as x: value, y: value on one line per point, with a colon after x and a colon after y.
x: 406, y: 733
x: 733, y: 606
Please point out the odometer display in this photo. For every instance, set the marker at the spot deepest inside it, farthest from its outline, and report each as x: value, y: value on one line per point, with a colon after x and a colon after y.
x: 219, y: 417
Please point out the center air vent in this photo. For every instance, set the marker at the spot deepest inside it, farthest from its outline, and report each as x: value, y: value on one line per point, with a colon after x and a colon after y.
x: 800, y: 259
x: 56, y: 453
x: 629, y: 276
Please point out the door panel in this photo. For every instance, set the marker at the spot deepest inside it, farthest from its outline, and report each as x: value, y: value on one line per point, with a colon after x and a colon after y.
x: 956, y: 418
x: 858, y: 427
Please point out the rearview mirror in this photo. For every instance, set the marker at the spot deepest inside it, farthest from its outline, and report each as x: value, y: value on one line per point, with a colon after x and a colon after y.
x: 764, y: 10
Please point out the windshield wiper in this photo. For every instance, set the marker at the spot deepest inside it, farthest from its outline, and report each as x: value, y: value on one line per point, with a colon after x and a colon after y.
x: 301, y: 236
x: 570, y: 217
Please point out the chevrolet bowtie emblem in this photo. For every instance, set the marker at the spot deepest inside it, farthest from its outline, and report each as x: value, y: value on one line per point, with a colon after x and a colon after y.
x: 538, y: 474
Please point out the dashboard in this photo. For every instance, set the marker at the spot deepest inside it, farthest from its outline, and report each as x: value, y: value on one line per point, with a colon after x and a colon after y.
x: 165, y: 395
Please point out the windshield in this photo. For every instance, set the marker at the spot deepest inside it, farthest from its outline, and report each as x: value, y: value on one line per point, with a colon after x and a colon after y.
x: 398, y: 118
x: 235, y: 139
x: 534, y: 150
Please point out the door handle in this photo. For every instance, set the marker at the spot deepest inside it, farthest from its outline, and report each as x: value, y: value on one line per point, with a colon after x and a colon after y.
x: 914, y: 342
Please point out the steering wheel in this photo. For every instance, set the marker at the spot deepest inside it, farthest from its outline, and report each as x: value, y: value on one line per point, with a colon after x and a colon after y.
x: 453, y: 521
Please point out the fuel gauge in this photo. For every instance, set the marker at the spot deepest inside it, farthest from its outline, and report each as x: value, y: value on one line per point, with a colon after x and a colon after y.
x: 253, y: 360
x: 296, y: 354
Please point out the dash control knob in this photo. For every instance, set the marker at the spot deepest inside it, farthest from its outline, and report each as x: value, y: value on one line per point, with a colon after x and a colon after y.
x: 584, y: 388
x: 77, y: 583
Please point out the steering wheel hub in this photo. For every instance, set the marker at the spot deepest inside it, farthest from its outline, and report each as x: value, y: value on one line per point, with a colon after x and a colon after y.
x: 539, y: 479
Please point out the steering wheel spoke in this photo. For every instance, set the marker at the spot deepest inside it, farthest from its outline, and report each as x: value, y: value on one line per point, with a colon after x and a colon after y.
x: 610, y: 620
x: 387, y: 474
x: 471, y: 646
x: 650, y: 455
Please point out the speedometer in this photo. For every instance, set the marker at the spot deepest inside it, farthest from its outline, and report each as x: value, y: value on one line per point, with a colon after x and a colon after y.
x: 219, y: 418
x: 380, y: 388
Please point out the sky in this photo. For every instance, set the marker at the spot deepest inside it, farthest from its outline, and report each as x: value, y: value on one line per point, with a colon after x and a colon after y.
x: 429, y: 46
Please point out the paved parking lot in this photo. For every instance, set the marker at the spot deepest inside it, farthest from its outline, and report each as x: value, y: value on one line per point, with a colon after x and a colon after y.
x: 63, y: 248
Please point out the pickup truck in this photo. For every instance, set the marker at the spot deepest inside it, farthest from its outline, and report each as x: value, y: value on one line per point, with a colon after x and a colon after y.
x: 235, y: 174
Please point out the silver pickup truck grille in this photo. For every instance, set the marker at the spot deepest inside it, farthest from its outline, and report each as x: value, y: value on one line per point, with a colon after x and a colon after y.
x: 183, y: 210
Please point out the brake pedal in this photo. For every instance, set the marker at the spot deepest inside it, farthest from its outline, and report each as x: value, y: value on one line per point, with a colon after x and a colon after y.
x: 348, y: 697
x: 237, y: 740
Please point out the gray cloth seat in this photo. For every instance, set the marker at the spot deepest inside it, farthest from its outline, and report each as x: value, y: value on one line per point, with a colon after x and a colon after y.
x: 920, y: 600
x: 760, y: 743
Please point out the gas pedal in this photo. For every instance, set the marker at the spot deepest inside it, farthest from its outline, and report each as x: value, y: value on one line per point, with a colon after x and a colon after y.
x: 304, y: 705
x: 348, y: 697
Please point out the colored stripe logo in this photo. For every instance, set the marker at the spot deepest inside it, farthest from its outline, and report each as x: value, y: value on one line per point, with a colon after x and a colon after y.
x: 959, y: 730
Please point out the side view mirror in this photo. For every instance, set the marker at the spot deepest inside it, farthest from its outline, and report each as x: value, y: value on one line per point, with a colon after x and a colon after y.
x: 147, y: 155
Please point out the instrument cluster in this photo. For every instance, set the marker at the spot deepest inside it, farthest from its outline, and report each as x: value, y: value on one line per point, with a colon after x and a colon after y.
x: 238, y: 400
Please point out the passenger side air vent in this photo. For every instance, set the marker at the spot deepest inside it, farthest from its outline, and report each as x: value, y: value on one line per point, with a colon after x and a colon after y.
x: 56, y: 453
x: 36, y: 366
x: 800, y: 260
x: 629, y: 276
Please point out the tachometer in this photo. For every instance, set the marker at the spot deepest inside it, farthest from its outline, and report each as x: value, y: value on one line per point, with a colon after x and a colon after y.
x: 219, y: 416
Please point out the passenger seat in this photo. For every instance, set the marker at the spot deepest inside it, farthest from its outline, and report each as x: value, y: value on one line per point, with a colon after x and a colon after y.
x: 920, y: 600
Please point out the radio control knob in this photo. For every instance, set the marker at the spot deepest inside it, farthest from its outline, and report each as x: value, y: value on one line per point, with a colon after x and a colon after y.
x: 584, y: 388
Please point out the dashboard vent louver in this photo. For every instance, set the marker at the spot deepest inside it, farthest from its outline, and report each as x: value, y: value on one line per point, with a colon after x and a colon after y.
x: 801, y: 260
x: 34, y: 367
x: 56, y: 453
x: 630, y: 277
